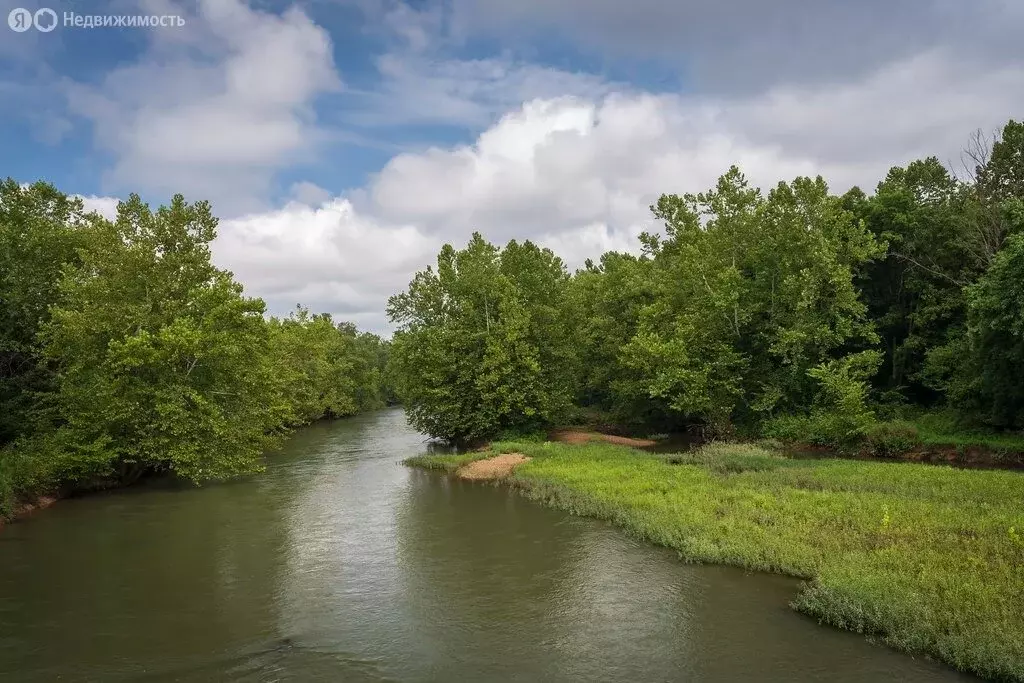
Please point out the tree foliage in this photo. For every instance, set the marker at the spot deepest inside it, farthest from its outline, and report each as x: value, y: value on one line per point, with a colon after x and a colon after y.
x: 755, y: 311
x: 125, y: 351
x: 326, y: 369
x: 753, y: 292
x: 482, y: 346
x: 161, y: 359
x: 40, y: 232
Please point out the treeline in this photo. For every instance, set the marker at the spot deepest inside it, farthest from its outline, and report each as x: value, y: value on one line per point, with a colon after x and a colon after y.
x: 124, y: 351
x: 794, y: 313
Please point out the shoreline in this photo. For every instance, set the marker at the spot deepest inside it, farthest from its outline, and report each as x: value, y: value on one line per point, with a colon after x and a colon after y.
x: 883, y: 547
x: 26, y: 509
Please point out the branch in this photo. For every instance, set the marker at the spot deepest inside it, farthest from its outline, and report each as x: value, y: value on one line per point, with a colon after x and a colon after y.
x: 930, y: 270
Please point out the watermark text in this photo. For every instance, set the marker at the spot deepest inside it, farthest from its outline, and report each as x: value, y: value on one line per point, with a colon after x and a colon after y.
x: 45, y: 20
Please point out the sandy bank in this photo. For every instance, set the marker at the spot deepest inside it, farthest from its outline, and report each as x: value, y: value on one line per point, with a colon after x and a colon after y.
x: 585, y: 436
x: 492, y: 468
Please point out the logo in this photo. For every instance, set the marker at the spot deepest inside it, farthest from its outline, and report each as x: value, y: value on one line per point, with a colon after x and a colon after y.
x: 45, y: 20
x: 20, y: 20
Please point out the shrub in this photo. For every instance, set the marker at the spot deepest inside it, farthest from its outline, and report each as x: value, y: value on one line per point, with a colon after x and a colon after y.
x: 731, y: 458
x: 20, y: 475
x: 889, y: 439
x: 523, y: 435
x: 822, y: 428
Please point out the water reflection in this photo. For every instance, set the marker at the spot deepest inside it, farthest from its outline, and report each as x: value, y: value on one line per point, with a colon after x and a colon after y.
x: 339, y: 564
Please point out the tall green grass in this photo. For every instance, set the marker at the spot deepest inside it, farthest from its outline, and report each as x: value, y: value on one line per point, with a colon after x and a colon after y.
x: 929, y: 559
x: 946, y: 429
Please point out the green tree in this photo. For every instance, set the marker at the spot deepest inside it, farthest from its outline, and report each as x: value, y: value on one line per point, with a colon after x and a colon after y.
x: 603, y: 308
x: 162, y: 362
x: 313, y: 362
x: 40, y: 231
x: 480, y: 346
x: 985, y: 366
x: 751, y: 293
x: 915, y: 294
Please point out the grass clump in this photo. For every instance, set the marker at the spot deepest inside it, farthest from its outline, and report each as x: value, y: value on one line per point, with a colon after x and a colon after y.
x: 944, y: 428
x: 890, y: 439
x: 731, y: 458
x: 830, y: 429
x: 929, y: 559
x: 448, y: 462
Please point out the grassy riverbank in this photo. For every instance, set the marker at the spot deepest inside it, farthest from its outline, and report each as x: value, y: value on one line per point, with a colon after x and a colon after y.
x: 930, y: 559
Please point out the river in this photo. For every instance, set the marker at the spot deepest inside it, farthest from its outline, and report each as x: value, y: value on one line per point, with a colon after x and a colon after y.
x: 340, y: 564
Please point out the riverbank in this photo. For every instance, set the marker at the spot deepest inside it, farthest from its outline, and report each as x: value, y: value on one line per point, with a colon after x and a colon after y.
x: 24, y: 509
x: 928, y: 559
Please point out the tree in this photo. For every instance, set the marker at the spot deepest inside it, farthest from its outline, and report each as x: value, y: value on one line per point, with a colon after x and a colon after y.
x: 162, y: 362
x: 986, y: 365
x: 40, y: 231
x: 604, y: 302
x: 915, y: 293
x: 751, y: 293
x: 481, y: 347
x: 326, y: 369
x: 997, y: 176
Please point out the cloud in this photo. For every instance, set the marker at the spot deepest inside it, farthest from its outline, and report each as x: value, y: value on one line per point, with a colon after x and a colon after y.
x: 578, y: 175
x: 216, y: 108
x: 749, y: 45
x: 309, y: 193
x: 570, y: 162
x: 104, y: 206
x: 327, y: 257
x: 566, y: 159
x: 470, y: 93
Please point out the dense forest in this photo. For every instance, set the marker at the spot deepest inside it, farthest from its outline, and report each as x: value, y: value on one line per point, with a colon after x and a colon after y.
x: 125, y: 352
x: 793, y: 313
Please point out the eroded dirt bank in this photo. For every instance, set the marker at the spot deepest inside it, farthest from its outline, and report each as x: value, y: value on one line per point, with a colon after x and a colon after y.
x: 571, y: 435
x: 492, y: 468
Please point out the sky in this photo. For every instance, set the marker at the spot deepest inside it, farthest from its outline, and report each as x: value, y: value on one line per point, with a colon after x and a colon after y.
x: 342, y: 142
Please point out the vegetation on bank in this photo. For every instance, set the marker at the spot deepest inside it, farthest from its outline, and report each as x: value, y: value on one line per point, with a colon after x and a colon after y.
x: 879, y: 324
x: 928, y: 559
x: 125, y: 351
x: 795, y: 313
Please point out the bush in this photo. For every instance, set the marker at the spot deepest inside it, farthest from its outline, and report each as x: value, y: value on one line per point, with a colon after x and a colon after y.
x: 731, y: 458
x: 889, y: 439
x: 523, y: 435
x: 840, y: 414
x: 788, y: 428
x: 21, y: 475
x: 822, y: 428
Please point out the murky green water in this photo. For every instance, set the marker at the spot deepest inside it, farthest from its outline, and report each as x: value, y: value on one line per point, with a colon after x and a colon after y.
x: 339, y: 564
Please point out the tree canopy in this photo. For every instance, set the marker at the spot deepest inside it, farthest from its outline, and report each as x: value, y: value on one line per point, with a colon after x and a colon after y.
x: 125, y: 351
x: 753, y: 311
x: 481, y: 345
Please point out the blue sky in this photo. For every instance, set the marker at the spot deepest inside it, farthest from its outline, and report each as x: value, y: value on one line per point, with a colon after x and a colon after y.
x: 343, y: 141
x: 59, y: 146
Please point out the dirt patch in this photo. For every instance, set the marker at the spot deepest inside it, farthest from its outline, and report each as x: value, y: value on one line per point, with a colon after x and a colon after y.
x: 967, y: 457
x: 25, y: 509
x: 492, y: 468
x: 584, y: 436
x: 40, y: 503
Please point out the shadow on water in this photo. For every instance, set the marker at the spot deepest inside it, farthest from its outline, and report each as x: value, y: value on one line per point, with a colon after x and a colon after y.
x: 340, y: 564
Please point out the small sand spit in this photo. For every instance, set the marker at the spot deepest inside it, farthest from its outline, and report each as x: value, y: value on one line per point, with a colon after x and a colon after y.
x: 584, y: 436
x: 492, y: 468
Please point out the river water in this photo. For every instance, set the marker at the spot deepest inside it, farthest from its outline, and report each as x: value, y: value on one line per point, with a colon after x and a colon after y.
x: 340, y: 564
